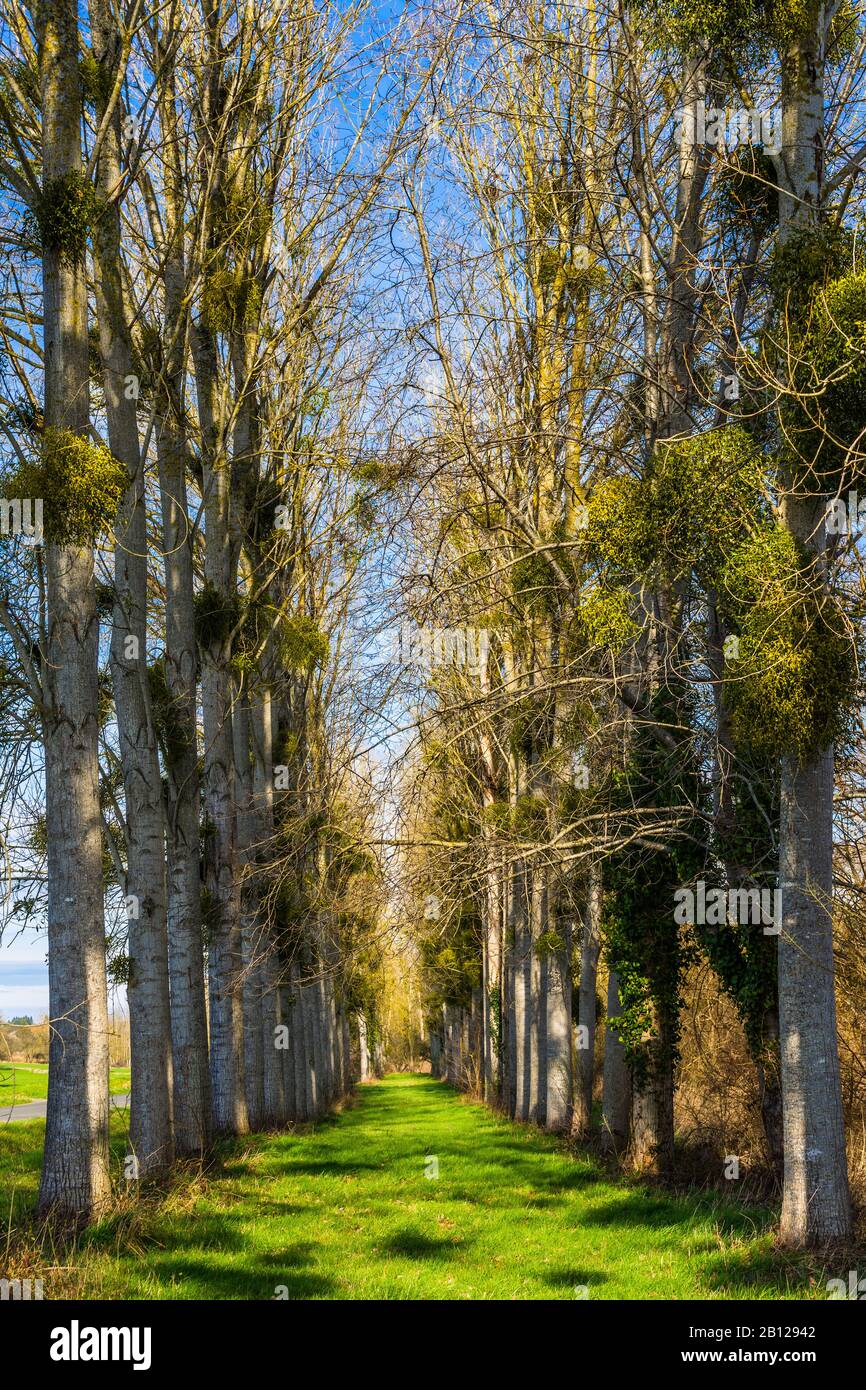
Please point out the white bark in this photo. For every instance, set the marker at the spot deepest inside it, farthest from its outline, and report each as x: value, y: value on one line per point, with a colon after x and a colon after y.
x: 75, y: 1182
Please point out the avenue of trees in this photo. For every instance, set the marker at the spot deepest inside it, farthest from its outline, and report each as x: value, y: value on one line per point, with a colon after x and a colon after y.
x: 430, y: 452
x: 184, y: 213
x: 648, y: 321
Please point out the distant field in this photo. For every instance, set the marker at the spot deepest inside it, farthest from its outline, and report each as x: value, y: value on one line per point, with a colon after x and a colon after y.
x: 30, y: 1082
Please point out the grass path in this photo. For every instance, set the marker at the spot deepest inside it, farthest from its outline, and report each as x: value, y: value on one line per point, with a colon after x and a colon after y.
x: 346, y: 1211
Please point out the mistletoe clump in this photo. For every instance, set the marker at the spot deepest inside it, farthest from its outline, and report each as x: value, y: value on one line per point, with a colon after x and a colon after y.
x: 63, y: 216
x: 245, y: 218
x: 533, y: 584
x: 795, y: 674
x: 826, y: 416
x: 816, y: 348
x: 748, y: 190
x: 301, y: 644
x: 698, y: 495
x: 231, y: 300
x: 172, y: 732
x: 96, y: 80
x: 618, y: 532
x: 701, y: 493
x: 80, y: 482
x: 728, y: 26
x: 606, y: 618
x: 216, y: 616
x: 731, y: 28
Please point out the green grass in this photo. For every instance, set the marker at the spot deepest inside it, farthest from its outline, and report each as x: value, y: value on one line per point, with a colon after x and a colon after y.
x: 345, y: 1211
x: 31, y: 1083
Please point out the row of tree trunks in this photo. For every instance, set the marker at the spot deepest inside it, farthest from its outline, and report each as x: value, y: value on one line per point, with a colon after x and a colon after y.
x: 538, y: 1030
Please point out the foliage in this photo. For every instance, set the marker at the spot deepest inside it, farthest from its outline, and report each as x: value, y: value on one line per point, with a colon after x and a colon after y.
x: 698, y: 496
x: 97, y: 79
x: 606, y: 617
x: 643, y: 942
x: 231, y: 300
x: 748, y: 191
x: 796, y: 671
x: 532, y: 584
x: 174, y: 734
x: 63, y: 216
x: 80, y: 482
x: 823, y: 412
x: 216, y: 617
x: 301, y: 644
x: 732, y: 28
x: 619, y: 531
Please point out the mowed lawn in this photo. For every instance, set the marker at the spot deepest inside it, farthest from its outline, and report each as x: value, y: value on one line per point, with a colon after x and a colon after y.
x: 413, y: 1193
x: 22, y: 1082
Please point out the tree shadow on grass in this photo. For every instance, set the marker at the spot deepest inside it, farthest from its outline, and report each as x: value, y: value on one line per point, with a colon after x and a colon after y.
x: 767, y: 1270
x: 255, y: 1282
x: 415, y: 1245
x: 328, y: 1168
x: 634, y: 1209
x: 573, y: 1277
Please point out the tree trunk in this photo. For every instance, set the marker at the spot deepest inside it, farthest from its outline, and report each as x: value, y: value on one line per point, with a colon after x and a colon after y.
x: 509, y: 1039
x: 251, y: 953
x: 75, y: 1182
x: 590, y: 949
x: 312, y: 1076
x: 274, y: 1107
x: 150, y: 1132
x: 288, y: 1056
x: 816, y: 1205
x: 221, y: 869
x: 364, y: 1051
x: 522, y: 995
x: 537, y: 1021
x: 189, y: 1034
x: 652, y: 1107
x: 616, y: 1098
x: 435, y: 1044
x: 492, y: 988
x: 299, y: 1049
x: 559, y: 1068
x: 271, y: 1018
x: 347, y: 1053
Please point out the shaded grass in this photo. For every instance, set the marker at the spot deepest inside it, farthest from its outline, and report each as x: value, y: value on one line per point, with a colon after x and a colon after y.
x: 343, y: 1210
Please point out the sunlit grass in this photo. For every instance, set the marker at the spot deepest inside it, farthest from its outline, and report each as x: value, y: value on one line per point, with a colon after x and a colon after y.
x: 22, y: 1082
x: 346, y: 1211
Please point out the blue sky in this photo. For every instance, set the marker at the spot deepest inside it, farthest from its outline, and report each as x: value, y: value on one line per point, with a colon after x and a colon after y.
x: 23, y: 976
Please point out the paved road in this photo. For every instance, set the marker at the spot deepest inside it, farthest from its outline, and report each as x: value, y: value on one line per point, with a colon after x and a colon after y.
x: 35, y: 1109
